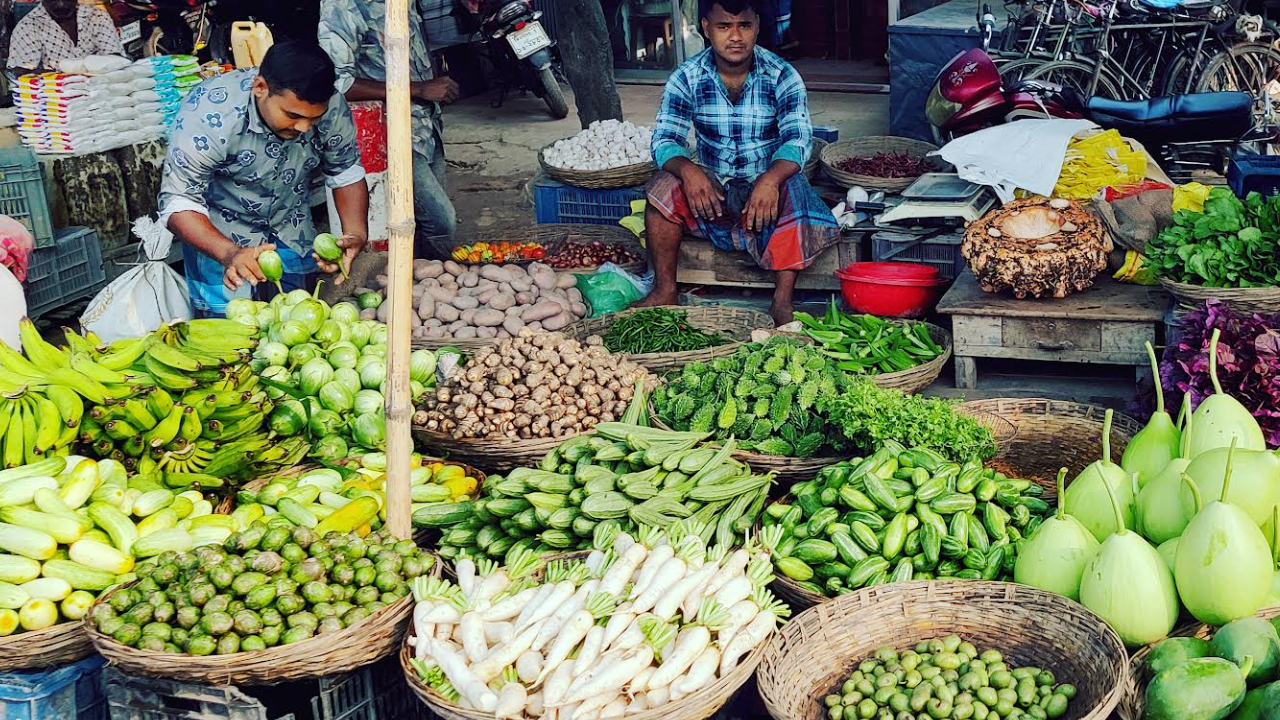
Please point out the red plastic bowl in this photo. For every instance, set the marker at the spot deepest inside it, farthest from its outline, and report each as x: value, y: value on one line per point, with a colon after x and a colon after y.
x: 892, y: 290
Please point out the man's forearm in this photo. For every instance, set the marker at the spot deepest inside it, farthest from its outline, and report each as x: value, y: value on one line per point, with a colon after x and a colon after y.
x: 363, y: 89
x: 678, y: 164
x: 352, y: 203
x: 195, y: 229
x: 780, y: 171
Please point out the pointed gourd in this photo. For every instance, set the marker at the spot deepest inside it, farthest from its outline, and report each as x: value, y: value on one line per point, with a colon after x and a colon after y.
x: 1155, y: 445
x: 1224, y: 567
x: 1053, y: 558
x: 1158, y: 506
x: 1129, y: 585
x: 1086, y: 496
x: 1220, y: 417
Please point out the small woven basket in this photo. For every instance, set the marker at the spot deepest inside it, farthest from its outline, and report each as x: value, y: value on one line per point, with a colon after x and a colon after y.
x: 814, y: 652
x: 550, y: 236
x: 1051, y: 434
x: 814, y: 164
x: 57, y: 645
x: 607, y: 234
x: 1135, y: 696
x: 913, y: 380
x: 867, y: 147
x: 620, y: 177
x: 489, y: 454
x: 734, y: 323
x: 1264, y: 301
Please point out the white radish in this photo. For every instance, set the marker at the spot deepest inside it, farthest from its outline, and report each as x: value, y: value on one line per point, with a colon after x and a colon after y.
x: 589, y: 651
x: 700, y: 674
x: 498, y: 632
x: 441, y: 613
x: 652, y: 564
x: 528, y: 666
x: 689, y: 645
x: 606, y: 661
x: 534, y: 705
x: 557, y: 685
x: 470, y: 632
x: 739, y: 615
x: 733, y: 566
x: 463, y: 679
x: 638, y: 704
x: 444, y: 631
x: 421, y: 625
x: 592, y: 706
x: 623, y: 541
x: 658, y: 696
x: 630, y: 637
x: 663, y: 580
x: 619, y: 621
x: 422, y: 646
x: 487, y: 588
x: 568, y: 712
x: 511, y: 701
x: 465, y: 569
x: 616, y: 675
x: 560, y: 595
x: 530, y: 607
x: 640, y: 683
x: 573, y: 632
x: 499, y: 657
x: 734, y: 591
x: 616, y: 708
x: 756, y: 632
x: 669, y: 602
x: 509, y: 607
x: 692, y: 601
x: 593, y: 561
x: 617, y: 576
x: 557, y: 620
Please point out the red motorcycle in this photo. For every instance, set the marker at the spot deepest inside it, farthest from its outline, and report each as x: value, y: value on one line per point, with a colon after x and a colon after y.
x: 1185, y: 132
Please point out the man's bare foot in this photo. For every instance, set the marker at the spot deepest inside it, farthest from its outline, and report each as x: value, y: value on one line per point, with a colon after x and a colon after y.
x: 656, y: 297
x: 782, y: 313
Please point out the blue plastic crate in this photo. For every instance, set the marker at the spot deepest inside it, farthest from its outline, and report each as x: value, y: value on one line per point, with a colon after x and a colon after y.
x: 942, y: 252
x: 70, y: 692
x: 22, y: 193
x: 555, y: 202
x: 70, y: 270
x: 1254, y: 173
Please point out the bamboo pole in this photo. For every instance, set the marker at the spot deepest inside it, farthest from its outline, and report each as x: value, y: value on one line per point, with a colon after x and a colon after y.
x: 400, y: 228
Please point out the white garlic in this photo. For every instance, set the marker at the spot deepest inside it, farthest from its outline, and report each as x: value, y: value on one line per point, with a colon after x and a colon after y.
x: 605, y: 144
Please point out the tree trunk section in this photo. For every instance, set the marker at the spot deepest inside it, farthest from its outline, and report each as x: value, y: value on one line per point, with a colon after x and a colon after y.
x: 588, y: 60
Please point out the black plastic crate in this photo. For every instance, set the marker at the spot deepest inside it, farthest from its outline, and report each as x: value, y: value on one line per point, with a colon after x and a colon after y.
x: 942, y: 252
x: 70, y: 270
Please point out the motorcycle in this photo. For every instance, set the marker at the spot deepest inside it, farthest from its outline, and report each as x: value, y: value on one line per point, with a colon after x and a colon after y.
x: 1186, y: 133
x: 163, y: 27
x: 519, y: 49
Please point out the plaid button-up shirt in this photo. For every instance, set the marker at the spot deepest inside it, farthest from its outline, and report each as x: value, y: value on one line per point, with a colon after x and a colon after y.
x: 39, y: 43
x: 735, y: 141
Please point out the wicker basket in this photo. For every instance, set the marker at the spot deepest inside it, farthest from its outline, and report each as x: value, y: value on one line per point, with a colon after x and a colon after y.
x: 1052, y: 434
x: 735, y: 323
x: 1139, y: 676
x: 702, y: 704
x: 626, y: 176
x: 816, y: 650
x: 1249, y: 300
x: 867, y: 147
x: 550, y: 236
x: 788, y: 469
x: 367, y: 641
x: 57, y: 645
x: 490, y: 454
x: 607, y: 234
x: 913, y: 380
x: 813, y: 165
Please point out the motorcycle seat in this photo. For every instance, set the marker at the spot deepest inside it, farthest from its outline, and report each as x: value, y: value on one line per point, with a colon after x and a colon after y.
x: 1177, y: 118
x: 1178, y: 7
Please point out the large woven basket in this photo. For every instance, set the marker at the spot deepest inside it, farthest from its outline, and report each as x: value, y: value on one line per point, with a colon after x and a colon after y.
x: 814, y: 652
x: 489, y: 454
x: 620, y: 177
x: 1051, y: 434
x: 608, y: 234
x: 866, y: 147
x: 734, y: 323
x: 702, y: 704
x: 57, y: 645
x: 788, y: 470
x: 813, y: 165
x: 916, y: 379
x: 1249, y: 300
x: 1135, y: 699
x: 368, y: 641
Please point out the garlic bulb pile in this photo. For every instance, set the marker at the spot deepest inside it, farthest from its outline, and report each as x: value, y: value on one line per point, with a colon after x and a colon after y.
x: 605, y: 144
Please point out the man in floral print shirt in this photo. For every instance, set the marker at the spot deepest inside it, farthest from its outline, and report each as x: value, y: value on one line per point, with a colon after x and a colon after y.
x: 237, y: 179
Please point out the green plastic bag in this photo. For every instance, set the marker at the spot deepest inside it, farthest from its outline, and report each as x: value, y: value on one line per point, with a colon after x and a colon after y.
x: 610, y: 289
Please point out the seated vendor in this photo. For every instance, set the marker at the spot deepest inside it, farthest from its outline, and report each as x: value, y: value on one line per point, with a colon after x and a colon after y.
x: 237, y: 180
x: 60, y: 30
x: 745, y: 192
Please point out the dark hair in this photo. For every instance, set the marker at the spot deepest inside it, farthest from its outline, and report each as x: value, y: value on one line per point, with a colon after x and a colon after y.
x: 733, y: 7
x: 301, y: 67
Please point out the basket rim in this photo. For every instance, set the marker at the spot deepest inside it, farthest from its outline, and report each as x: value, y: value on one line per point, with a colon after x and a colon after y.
x: 31, y: 650
x: 621, y: 168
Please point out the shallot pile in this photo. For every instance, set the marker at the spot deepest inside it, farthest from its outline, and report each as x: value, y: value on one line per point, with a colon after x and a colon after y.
x: 578, y: 254
x: 605, y: 144
x: 888, y: 165
x: 537, y: 385
x: 637, y: 625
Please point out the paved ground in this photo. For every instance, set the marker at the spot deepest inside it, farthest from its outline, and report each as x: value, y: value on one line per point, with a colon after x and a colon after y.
x: 493, y: 152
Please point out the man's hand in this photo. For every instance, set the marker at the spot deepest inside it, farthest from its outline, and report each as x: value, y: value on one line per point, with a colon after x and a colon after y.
x: 351, y: 246
x: 762, y: 207
x: 242, y: 266
x: 440, y: 90
x: 704, y: 195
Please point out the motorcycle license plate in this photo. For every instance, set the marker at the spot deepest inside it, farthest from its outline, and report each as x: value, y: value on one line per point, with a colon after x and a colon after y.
x: 528, y: 40
x: 130, y: 33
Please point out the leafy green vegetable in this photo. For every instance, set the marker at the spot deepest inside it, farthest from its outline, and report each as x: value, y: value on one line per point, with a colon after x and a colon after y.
x: 1232, y: 244
x: 867, y: 416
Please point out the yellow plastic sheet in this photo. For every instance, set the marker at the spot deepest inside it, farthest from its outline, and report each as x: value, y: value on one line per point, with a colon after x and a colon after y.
x: 1100, y: 160
x: 1136, y: 271
x: 1190, y: 197
x: 635, y: 221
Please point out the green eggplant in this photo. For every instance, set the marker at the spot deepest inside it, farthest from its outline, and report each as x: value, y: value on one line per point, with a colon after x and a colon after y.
x: 1087, y: 498
x: 1155, y: 445
x: 1220, y: 417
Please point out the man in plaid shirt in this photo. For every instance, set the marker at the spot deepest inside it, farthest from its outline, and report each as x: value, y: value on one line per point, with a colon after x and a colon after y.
x: 749, y: 113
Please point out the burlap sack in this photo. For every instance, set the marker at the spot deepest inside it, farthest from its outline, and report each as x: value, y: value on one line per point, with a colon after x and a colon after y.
x: 364, y: 272
x: 1133, y: 221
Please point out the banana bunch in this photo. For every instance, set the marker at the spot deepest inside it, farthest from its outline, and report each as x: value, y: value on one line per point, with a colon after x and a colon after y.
x: 182, y: 399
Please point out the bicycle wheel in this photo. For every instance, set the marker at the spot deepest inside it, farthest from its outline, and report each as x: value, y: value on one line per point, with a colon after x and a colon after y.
x: 1078, y: 76
x: 1246, y: 67
x: 1017, y: 69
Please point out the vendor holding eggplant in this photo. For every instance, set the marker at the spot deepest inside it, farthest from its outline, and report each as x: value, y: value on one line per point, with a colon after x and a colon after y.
x: 237, y: 179
x: 749, y: 111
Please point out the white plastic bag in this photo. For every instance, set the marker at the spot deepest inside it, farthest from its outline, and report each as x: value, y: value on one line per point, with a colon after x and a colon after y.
x: 14, y: 303
x: 145, y: 296
x: 1026, y: 154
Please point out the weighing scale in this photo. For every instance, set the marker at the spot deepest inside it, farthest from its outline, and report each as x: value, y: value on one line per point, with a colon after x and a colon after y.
x: 939, y: 197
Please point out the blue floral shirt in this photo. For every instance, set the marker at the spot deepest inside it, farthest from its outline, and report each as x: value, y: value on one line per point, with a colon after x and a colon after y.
x: 735, y: 141
x: 226, y: 163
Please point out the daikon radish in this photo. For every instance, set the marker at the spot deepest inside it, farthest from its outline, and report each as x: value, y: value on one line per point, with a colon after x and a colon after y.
x: 470, y: 632
x: 463, y: 679
x: 528, y: 666
x: 700, y: 674
x: 590, y: 650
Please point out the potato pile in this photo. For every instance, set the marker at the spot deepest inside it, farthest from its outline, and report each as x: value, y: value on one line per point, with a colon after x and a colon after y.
x: 537, y: 385
x: 466, y: 302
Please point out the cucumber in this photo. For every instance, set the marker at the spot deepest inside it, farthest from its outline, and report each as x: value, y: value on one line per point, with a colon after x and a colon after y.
x: 173, y: 539
x: 78, y: 576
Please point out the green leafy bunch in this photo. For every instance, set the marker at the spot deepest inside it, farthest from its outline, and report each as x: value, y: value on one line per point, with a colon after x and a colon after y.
x: 1231, y: 244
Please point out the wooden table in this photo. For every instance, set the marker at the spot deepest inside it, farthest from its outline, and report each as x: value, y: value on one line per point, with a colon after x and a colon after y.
x: 1107, y: 324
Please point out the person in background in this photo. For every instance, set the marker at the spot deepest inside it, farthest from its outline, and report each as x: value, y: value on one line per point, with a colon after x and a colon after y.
x: 745, y: 192
x: 60, y: 30
x: 237, y: 179
x: 15, y: 254
x: 351, y: 32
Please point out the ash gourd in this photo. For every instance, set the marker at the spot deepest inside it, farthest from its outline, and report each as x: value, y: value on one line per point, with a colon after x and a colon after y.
x: 1055, y: 556
x: 1159, y: 508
